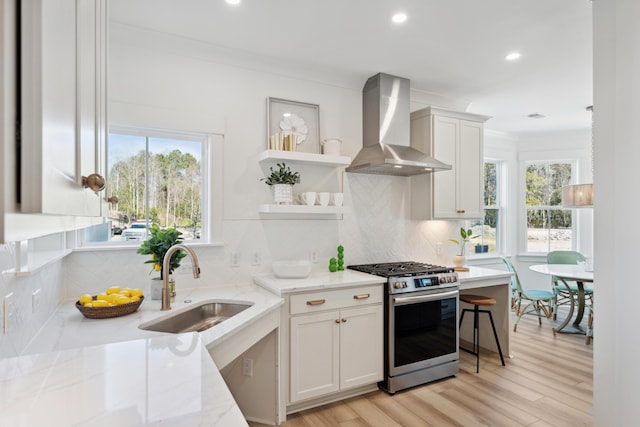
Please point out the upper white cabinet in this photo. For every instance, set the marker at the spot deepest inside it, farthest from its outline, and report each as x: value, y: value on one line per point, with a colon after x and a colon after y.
x: 63, y: 99
x: 456, y: 139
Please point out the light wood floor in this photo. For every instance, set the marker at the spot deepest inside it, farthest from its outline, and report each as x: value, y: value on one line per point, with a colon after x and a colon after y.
x: 547, y: 382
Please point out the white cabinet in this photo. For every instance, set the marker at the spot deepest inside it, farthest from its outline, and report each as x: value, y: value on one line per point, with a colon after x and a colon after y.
x: 335, y: 341
x: 456, y: 139
x: 63, y: 98
x: 313, y: 161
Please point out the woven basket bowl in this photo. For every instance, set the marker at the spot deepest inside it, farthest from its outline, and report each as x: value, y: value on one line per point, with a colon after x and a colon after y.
x: 108, y: 312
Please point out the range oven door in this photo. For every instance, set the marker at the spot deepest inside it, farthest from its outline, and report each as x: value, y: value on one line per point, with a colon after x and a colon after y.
x: 423, y: 330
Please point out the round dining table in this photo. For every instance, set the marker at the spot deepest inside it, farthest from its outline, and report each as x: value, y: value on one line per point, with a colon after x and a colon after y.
x: 565, y: 273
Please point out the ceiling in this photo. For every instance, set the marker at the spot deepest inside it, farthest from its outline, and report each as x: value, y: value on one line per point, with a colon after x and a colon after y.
x: 449, y: 49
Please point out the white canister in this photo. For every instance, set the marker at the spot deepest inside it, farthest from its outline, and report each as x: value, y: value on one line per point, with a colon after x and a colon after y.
x: 331, y: 146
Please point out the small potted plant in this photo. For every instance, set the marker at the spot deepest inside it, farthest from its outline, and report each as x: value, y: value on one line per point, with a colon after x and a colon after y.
x: 157, y: 245
x: 282, y: 181
x: 460, y: 259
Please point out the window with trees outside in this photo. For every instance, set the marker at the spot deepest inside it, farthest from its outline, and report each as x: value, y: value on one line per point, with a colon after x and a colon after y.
x: 157, y: 178
x: 549, y: 225
x: 487, y: 229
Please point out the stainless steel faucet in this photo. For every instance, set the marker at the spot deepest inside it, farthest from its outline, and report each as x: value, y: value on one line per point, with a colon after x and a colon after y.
x: 166, y: 292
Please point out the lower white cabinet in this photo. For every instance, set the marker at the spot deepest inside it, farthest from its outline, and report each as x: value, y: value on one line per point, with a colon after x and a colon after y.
x: 337, y: 344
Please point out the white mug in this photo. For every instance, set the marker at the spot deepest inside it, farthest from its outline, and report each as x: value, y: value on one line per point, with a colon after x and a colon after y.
x: 308, y: 198
x: 323, y: 198
x: 337, y: 199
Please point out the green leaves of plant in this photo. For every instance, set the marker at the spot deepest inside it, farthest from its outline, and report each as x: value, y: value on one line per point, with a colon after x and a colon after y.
x: 157, y: 245
x: 284, y: 175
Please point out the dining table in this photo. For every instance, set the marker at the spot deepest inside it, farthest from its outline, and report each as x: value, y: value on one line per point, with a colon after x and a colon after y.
x: 566, y: 273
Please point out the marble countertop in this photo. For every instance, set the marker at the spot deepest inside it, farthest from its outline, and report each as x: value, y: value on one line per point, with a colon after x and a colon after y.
x: 317, y: 281
x: 68, y: 329
x: 169, y: 380
x: 475, y: 277
x: 80, y: 371
x: 480, y: 276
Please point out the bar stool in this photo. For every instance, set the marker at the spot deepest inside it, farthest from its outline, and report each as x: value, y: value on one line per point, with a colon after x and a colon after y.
x: 477, y: 301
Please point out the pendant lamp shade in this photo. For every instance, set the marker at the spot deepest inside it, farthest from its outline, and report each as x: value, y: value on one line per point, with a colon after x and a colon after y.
x: 580, y: 195
x: 577, y: 196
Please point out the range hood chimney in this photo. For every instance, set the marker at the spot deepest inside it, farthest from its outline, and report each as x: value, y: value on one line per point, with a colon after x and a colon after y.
x: 386, y: 131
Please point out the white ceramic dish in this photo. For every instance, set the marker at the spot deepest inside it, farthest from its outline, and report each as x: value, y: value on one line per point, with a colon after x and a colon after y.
x: 292, y: 269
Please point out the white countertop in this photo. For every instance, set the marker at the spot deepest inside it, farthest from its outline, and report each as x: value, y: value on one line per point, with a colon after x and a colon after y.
x: 69, y: 329
x: 317, y: 281
x: 169, y: 380
x: 480, y: 276
x: 80, y: 371
x: 475, y: 277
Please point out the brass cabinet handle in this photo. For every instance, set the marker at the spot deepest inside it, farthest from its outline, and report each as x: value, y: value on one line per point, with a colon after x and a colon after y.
x: 460, y: 211
x: 315, y: 302
x: 94, y: 181
x: 361, y: 296
x: 337, y: 320
x: 344, y: 320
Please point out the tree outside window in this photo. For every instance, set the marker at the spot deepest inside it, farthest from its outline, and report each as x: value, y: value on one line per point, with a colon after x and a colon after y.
x: 549, y: 226
x: 488, y: 229
x: 156, y: 180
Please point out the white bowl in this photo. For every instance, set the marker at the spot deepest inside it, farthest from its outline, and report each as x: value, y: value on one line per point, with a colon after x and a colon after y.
x: 292, y: 269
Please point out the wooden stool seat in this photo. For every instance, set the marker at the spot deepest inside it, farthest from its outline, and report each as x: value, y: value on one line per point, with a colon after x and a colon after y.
x: 477, y: 300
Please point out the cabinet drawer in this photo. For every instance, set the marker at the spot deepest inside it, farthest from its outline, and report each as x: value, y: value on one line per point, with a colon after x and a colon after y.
x: 339, y: 298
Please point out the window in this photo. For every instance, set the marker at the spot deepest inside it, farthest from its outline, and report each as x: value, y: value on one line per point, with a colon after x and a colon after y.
x: 157, y: 177
x: 549, y: 226
x: 488, y: 229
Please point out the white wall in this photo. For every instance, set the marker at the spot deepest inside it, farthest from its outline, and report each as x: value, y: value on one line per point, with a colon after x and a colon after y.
x: 24, y: 321
x: 617, y: 132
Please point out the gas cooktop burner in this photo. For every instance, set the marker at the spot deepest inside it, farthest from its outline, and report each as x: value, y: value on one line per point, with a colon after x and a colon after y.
x: 392, y: 269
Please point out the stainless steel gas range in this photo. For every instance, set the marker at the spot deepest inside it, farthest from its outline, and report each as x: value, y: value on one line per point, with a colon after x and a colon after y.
x: 421, y: 326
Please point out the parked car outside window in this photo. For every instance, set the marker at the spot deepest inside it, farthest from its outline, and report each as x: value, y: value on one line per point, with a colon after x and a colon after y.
x: 137, y: 231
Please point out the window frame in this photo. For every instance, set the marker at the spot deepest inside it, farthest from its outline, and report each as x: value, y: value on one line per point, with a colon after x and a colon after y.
x: 571, y: 157
x: 212, y: 186
x: 500, y: 207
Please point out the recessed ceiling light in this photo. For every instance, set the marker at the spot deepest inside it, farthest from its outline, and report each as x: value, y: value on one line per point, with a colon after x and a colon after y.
x: 233, y: 2
x: 513, y: 56
x: 399, y: 18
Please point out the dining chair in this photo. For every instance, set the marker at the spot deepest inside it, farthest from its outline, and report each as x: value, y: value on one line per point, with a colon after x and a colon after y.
x: 538, y: 301
x: 589, y: 331
x: 562, y: 294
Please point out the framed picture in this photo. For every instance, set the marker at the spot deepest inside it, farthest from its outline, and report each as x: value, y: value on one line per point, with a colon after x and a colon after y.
x: 292, y: 126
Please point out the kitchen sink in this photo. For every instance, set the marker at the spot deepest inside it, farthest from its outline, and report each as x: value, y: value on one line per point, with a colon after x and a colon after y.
x: 196, y: 319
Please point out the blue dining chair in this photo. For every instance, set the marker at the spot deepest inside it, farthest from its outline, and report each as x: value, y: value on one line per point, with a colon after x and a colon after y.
x: 538, y: 301
x: 562, y: 294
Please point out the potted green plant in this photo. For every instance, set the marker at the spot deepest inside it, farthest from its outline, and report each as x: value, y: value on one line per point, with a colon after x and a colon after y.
x: 157, y: 245
x: 282, y: 181
x: 460, y: 259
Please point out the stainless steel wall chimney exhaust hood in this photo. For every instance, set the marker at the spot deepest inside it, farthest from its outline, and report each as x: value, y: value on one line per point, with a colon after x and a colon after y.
x: 386, y: 131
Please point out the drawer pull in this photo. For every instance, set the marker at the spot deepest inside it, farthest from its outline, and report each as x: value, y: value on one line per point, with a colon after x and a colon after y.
x: 460, y: 211
x: 361, y: 296
x: 337, y: 320
x: 316, y: 302
x: 344, y: 320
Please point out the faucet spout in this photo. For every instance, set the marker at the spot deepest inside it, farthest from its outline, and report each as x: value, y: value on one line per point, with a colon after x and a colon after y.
x: 166, y: 292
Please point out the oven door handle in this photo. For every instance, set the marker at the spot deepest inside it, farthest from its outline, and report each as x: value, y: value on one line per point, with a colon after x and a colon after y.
x: 425, y: 298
